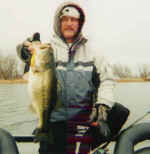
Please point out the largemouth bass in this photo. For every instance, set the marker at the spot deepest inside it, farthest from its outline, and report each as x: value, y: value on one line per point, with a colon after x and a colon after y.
x: 42, y: 84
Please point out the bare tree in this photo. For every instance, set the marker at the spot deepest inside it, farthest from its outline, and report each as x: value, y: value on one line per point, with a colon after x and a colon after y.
x: 144, y: 71
x: 8, y: 67
x: 122, y: 71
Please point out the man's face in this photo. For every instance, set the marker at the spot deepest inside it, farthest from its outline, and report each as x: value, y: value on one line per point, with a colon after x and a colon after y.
x: 69, y: 27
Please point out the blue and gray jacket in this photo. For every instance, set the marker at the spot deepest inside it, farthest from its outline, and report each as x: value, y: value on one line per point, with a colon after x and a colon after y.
x: 84, y: 76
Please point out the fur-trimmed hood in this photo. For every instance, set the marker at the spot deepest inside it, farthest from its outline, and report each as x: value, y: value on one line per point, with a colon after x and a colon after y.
x: 56, y: 25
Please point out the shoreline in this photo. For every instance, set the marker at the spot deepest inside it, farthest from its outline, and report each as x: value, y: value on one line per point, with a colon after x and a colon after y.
x: 13, y: 81
x: 22, y: 81
x: 133, y: 80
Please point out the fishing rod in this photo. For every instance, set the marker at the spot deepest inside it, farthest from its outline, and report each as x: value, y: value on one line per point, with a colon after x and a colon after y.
x: 24, y: 138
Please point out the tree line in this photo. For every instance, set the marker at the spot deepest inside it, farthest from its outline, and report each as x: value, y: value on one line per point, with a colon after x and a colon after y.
x: 122, y: 71
x: 9, y: 69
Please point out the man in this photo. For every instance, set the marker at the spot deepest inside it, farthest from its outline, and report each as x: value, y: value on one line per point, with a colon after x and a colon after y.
x: 86, y: 82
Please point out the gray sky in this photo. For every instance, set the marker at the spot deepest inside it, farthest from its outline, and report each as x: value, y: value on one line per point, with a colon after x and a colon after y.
x: 120, y: 28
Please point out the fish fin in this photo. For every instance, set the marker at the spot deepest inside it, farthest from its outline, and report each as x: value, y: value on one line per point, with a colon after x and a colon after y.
x: 33, y: 60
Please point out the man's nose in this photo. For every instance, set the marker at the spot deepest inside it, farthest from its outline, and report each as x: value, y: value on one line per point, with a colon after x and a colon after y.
x: 69, y: 22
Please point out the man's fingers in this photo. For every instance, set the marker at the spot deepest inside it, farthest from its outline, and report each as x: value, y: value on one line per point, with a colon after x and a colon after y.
x: 27, y: 43
x: 31, y: 49
x: 93, y: 116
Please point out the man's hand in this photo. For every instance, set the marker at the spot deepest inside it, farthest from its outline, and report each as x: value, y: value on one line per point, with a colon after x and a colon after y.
x: 99, y: 112
x: 28, y: 45
x: 98, y: 119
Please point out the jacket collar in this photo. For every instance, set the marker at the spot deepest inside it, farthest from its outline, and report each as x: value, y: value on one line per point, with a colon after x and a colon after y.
x: 61, y: 43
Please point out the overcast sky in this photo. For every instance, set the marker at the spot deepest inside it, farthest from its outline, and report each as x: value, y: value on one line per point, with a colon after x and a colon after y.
x: 120, y: 28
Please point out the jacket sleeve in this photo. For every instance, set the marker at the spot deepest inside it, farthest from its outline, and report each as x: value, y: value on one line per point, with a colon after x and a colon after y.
x: 107, y: 82
x: 23, y: 53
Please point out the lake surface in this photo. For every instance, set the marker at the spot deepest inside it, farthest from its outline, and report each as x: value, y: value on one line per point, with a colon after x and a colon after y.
x: 18, y: 120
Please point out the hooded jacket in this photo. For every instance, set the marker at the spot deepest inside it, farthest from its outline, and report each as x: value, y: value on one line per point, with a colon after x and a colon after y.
x: 84, y: 76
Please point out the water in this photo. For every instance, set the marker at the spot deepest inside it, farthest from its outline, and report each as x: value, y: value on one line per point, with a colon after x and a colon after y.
x: 15, y: 115
x: 18, y: 120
